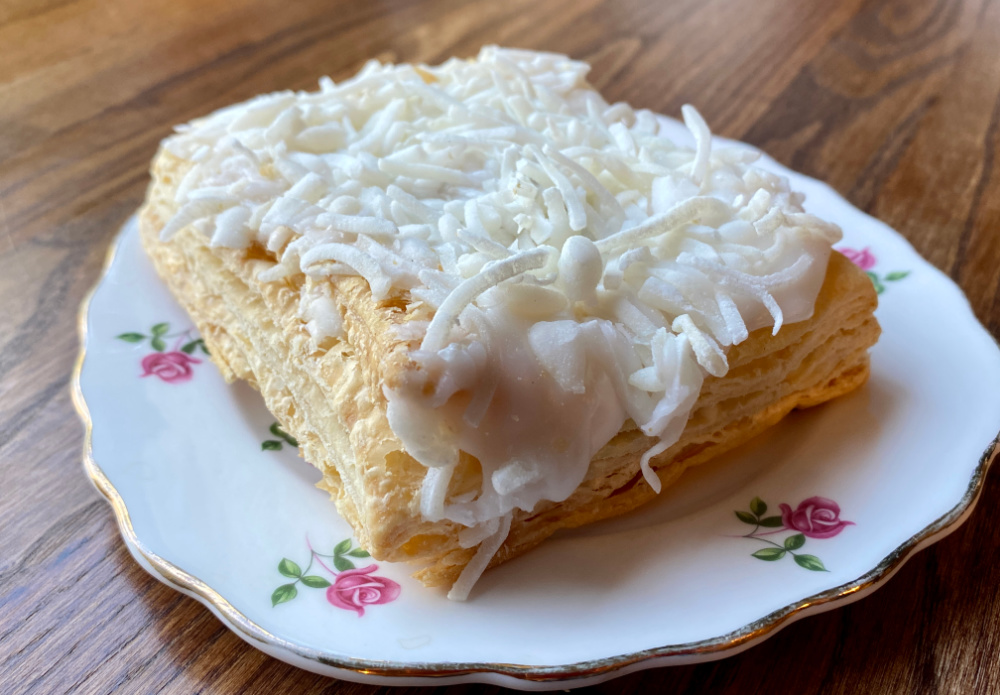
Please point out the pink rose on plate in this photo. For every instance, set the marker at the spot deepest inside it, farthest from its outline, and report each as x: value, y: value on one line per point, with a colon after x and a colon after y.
x: 816, y: 517
x: 863, y: 258
x: 172, y: 367
x: 354, y: 589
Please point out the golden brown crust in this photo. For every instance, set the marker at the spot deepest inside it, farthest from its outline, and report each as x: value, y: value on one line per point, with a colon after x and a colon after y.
x: 331, y: 398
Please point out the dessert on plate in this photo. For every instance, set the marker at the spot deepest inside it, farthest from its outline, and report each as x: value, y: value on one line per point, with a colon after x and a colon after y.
x: 489, y: 305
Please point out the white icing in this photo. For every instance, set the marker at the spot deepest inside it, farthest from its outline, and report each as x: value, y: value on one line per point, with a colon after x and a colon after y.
x: 581, y: 268
x: 317, y: 309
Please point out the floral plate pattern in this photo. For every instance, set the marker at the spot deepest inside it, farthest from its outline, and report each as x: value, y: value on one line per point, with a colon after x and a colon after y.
x: 352, y: 589
x: 212, y: 499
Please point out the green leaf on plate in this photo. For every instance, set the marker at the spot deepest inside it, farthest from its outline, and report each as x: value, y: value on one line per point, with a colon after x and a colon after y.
x: 771, y: 522
x: 270, y: 445
x: 285, y: 592
x: 746, y: 518
x: 158, y: 344
x: 160, y: 328
x: 757, y: 506
x: 769, y: 554
x: 810, y: 562
x: 342, y: 547
x: 314, y: 582
x: 342, y: 563
x: 278, y: 432
x: 289, y: 568
x: 188, y: 348
x: 879, y: 287
x: 795, y: 542
x: 132, y: 337
x: 359, y: 552
x: 897, y: 275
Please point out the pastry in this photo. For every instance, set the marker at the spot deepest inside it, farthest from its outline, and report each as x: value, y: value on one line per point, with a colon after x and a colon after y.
x: 489, y: 305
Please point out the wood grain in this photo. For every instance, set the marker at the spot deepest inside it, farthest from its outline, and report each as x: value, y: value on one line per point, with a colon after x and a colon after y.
x: 896, y: 103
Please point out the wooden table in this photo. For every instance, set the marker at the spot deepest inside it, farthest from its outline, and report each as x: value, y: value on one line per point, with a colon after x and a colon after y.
x: 895, y: 104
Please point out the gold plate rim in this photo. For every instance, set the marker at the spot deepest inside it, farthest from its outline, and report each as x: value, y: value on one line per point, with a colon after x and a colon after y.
x: 704, y: 650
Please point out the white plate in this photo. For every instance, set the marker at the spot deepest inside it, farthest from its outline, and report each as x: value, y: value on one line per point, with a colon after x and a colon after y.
x: 205, y: 509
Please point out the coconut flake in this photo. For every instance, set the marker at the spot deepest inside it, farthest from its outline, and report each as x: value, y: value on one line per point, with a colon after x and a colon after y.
x: 195, y: 211
x: 433, y: 491
x: 364, y: 265
x: 686, y: 212
x: 492, y: 274
x: 477, y: 565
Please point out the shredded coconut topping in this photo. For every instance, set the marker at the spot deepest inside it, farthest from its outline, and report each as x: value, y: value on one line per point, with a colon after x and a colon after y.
x: 581, y: 268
